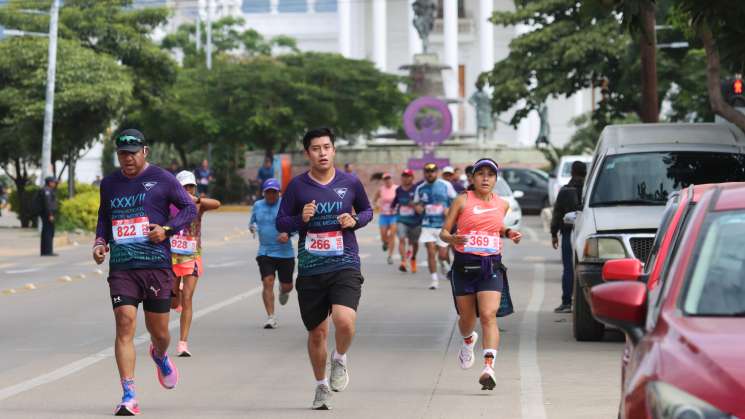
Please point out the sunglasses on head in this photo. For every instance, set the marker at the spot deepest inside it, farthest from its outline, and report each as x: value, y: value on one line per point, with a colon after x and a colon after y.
x: 128, y: 140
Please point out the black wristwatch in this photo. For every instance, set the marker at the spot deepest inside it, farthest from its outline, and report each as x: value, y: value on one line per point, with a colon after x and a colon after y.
x: 169, y: 230
x: 356, y: 220
x: 507, y: 232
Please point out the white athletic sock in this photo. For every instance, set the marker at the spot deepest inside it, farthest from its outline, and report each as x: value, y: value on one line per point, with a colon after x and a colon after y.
x: 492, y: 352
x: 340, y: 357
x: 324, y: 382
x: 435, y: 277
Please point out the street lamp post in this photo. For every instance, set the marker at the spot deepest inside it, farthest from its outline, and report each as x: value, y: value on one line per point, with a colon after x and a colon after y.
x: 46, y: 146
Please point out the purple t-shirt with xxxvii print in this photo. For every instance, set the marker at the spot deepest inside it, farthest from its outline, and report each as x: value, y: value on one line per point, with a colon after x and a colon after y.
x: 128, y: 206
x: 323, y: 246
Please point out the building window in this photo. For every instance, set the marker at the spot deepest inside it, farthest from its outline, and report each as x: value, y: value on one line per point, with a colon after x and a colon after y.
x: 326, y: 6
x: 293, y: 6
x: 256, y: 6
x: 461, y: 9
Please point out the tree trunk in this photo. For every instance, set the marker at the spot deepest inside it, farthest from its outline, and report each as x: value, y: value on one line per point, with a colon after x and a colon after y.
x: 182, y: 155
x: 713, y: 82
x: 648, y: 51
x: 21, y: 180
x: 70, y: 176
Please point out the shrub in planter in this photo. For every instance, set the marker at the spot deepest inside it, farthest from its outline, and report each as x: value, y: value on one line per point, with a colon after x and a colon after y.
x: 80, y: 212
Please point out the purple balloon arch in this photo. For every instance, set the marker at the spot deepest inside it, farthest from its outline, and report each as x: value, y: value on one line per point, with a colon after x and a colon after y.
x: 428, y: 130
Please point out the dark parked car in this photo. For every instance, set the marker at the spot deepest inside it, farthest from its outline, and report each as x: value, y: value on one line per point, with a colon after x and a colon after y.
x: 534, y: 185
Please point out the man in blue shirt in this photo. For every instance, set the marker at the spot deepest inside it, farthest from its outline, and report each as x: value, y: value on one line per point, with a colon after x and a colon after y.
x: 433, y: 198
x: 275, y: 254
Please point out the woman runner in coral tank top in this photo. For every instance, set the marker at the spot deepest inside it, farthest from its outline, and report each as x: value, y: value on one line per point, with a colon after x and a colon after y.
x: 478, y: 275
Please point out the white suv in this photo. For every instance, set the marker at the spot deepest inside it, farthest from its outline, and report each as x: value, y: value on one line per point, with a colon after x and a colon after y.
x: 634, y: 170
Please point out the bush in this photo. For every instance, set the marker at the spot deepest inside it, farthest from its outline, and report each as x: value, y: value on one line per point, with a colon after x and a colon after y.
x: 24, y: 207
x: 80, y: 212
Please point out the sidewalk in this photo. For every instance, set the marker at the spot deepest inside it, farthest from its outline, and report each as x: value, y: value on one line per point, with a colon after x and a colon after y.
x: 16, y: 241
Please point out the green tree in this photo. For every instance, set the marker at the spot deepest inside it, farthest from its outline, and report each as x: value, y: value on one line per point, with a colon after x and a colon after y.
x: 228, y: 35
x: 717, y: 25
x: 91, y: 91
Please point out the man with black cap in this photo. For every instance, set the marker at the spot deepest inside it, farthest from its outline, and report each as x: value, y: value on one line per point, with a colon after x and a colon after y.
x: 568, y: 200
x: 133, y: 222
x: 48, y: 206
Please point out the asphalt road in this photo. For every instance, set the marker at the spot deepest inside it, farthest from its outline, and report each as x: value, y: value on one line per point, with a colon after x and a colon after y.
x: 56, y: 337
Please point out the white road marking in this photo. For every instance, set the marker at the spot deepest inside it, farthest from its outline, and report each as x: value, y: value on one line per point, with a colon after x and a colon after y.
x: 227, y: 264
x: 22, y: 271
x: 531, y: 387
x: 86, y: 362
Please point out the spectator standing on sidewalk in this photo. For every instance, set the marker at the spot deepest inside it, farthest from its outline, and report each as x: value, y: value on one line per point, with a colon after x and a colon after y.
x: 266, y: 171
x: 568, y: 200
x: 48, y: 205
x: 204, y: 177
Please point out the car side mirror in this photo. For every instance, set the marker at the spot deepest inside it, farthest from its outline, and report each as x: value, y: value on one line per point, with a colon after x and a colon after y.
x: 622, y: 305
x: 622, y: 270
x: 570, y: 218
x: 518, y: 194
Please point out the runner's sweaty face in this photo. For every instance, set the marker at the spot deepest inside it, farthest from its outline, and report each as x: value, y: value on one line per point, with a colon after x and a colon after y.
x: 430, y: 175
x: 484, y: 180
x: 271, y: 196
x: 407, y: 180
x: 321, y: 153
x: 132, y: 163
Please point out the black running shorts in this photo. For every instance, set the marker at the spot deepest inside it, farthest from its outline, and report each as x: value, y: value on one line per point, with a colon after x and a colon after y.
x: 280, y: 267
x: 317, y: 293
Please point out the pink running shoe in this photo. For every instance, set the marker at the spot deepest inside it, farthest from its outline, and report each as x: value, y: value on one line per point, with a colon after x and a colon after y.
x: 182, y: 349
x: 166, y: 369
x: 128, y: 408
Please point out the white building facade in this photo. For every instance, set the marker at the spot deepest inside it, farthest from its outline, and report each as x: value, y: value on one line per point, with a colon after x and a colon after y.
x: 381, y: 31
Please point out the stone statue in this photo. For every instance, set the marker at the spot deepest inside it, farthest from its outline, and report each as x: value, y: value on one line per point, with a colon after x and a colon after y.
x: 484, y: 118
x: 424, y: 20
x: 544, y: 134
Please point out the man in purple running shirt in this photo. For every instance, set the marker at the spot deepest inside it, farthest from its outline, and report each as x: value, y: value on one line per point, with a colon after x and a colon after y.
x: 320, y: 205
x: 133, y: 225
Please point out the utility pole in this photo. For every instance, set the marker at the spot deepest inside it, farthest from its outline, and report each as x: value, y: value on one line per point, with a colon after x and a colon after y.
x: 209, y: 34
x: 46, y: 146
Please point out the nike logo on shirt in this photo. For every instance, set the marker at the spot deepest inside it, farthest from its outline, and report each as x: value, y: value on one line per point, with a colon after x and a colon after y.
x: 479, y: 211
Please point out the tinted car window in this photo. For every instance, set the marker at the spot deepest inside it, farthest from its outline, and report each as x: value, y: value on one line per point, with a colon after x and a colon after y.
x: 667, y: 218
x: 716, y: 283
x: 650, y: 178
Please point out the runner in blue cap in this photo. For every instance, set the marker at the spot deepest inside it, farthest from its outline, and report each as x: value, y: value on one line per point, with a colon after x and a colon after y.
x: 276, y: 256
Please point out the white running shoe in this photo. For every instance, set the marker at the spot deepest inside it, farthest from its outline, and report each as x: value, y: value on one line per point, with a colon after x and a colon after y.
x: 322, y: 401
x: 487, y: 379
x: 271, y: 323
x: 465, y: 355
x: 283, y: 297
x: 390, y: 260
x: 339, y: 375
x: 444, y: 267
x: 434, y: 284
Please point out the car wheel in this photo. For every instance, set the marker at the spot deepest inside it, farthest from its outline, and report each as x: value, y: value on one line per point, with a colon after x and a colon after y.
x: 585, y: 327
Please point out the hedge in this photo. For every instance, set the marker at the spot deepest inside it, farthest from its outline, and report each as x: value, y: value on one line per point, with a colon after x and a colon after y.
x: 80, y: 212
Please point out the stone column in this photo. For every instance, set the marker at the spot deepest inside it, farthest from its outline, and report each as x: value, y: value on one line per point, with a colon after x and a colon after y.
x: 311, y: 6
x: 380, y: 38
x: 415, y: 44
x: 486, y: 35
x: 450, y: 40
x: 274, y: 7
x: 344, y: 11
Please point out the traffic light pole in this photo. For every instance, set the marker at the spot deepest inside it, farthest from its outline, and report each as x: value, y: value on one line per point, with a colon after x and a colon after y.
x: 46, y: 144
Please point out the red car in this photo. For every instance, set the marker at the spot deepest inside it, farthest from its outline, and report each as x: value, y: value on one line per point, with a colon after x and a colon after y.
x: 686, y: 331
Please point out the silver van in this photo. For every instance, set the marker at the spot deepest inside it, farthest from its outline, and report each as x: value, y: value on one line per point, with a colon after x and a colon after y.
x: 634, y: 170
